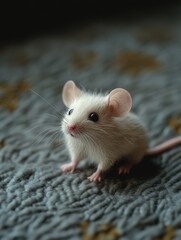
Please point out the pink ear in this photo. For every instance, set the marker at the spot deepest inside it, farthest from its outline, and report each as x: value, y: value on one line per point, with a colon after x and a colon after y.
x: 119, y: 102
x: 70, y: 93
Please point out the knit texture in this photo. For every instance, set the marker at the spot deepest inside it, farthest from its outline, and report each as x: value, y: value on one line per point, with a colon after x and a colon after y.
x: 37, y: 200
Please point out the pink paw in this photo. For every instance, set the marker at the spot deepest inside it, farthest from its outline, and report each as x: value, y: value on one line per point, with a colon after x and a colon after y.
x: 95, y: 177
x: 69, y: 167
x: 124, y: 169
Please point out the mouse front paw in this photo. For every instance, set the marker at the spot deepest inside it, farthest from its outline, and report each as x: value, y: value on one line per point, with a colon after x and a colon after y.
x: 69, y: 167
x: 95, y: 177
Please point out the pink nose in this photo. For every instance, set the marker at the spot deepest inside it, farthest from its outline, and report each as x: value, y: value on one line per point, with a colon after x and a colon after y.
x: 72, y: 128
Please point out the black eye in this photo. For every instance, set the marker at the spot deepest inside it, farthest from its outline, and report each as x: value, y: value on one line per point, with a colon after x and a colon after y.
x: 93, y: 117
x: 70, y: 111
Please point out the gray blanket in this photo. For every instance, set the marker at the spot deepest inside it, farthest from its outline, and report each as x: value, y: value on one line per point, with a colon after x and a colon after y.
x: 37, y: 200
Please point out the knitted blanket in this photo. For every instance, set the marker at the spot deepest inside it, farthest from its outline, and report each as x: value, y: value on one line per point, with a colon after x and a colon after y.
x: 37, y: 200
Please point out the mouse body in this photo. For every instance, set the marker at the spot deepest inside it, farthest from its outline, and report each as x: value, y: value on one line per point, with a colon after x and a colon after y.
x: 102, y: 128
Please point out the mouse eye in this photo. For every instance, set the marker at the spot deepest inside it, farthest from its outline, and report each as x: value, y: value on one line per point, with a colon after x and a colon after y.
x: 70, y: 111
x: 93, y: 117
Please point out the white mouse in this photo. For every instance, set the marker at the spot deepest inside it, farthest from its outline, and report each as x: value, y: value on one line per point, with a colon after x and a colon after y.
x: 102, y: 128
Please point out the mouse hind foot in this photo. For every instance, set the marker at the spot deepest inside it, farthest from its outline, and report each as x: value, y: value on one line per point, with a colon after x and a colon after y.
x: 125, y: 169
x: 128, y: 163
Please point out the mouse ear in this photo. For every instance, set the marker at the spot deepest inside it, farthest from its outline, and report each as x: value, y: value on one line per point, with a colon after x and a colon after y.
x: 119, y: 102
x: 70, y: 93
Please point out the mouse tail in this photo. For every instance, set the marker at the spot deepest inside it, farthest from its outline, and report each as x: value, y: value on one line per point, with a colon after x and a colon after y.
x: 164, y: 146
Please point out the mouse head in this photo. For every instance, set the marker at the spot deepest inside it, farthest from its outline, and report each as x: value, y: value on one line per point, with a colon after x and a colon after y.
x: 85, y: 108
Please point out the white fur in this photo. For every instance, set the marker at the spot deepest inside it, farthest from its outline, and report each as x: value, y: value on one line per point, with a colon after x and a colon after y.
x: 117, y: 135
x: 106, y: 141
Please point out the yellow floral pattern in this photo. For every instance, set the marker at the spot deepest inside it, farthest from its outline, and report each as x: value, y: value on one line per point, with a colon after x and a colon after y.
x: 175, y: 123
x: 10, y: 93
x: 104, y: 232
x: 81, y: 60
x: 135, y: 62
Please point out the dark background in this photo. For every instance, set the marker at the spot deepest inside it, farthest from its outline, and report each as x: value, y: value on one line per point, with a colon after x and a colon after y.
x: 23, y: 19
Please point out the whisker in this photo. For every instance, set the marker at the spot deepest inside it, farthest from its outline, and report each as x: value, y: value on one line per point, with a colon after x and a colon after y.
x: 59, y: 140
x: 88, y: 136
x: 51, y: 115
x: 109, y: 127
x: 37, y: 127
x: 65, y: 120
x: 44, y: 124
x: 85, y: 139
x: 50, y: 128
x: 57, y: 111
x: 45, y: 120
x: 43, y: 135
x: 52, y: 139
x: 98, y: 129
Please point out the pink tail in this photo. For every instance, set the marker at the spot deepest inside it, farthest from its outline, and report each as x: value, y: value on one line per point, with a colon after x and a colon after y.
x: 164, y: 146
